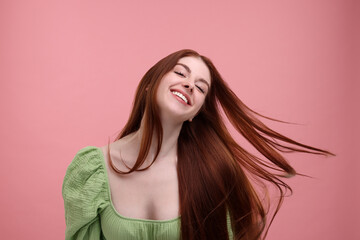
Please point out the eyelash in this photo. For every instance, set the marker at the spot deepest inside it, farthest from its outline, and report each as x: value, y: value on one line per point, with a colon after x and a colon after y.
x: 181, y: 74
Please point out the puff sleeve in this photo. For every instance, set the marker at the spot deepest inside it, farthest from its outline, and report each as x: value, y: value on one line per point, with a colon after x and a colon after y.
x: 85, y: 194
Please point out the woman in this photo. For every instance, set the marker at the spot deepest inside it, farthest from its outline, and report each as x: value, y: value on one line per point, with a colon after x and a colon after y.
x: 175, y: 172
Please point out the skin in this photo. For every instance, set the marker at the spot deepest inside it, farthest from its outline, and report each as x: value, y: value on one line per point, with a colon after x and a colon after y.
x: 153, y: 194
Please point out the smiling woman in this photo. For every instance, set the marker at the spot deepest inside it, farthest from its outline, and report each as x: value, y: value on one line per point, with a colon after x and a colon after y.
x: 175, y: 172
x: 187, y: 86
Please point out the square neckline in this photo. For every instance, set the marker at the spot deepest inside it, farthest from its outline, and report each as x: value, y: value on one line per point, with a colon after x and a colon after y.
x: 101, y: 153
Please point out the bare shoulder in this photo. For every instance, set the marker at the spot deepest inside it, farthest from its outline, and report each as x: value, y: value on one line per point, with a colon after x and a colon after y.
x: 107, y: 150
x: 119, y: 154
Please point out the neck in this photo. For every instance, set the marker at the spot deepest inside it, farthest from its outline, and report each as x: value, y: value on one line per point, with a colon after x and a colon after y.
x: 168, y: 149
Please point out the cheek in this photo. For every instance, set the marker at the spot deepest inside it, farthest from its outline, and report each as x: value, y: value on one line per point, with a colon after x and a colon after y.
x: 200, y: 98
x: 200, y: 102
x: 161, y: 88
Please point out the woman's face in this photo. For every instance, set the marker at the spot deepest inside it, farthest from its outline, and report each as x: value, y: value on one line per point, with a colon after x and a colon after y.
x: 182, y: 91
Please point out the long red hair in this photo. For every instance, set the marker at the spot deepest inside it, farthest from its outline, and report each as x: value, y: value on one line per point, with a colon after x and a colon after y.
x: 214, y: 171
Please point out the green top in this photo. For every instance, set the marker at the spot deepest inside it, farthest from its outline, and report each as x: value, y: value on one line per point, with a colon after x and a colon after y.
x: 90, y: 213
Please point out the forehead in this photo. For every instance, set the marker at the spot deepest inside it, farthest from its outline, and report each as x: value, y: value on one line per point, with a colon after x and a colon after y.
x: 197, y: 67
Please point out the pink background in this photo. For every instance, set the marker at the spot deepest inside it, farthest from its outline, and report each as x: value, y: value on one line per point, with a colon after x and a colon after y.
x: 69, y: 69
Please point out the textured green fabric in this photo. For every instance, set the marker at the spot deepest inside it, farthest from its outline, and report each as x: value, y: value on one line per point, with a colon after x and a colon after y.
x: 89, y: 212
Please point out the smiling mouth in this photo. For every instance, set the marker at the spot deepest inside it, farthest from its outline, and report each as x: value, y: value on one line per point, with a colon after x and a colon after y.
x: 180, y: 96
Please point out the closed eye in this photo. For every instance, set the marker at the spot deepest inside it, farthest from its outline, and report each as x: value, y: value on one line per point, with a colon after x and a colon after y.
x: 201, y: 90
x: 179, y: 73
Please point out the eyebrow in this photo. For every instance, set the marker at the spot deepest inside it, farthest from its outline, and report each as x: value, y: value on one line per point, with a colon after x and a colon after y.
x: 188, y: 69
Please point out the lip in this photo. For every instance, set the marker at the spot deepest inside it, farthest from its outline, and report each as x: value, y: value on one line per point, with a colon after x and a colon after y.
x: 187, y: 96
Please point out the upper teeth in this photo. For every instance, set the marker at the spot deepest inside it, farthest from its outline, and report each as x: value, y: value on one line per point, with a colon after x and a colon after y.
x: 180, y: 95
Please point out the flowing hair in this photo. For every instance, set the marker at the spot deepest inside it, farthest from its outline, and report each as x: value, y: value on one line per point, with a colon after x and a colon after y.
x: 214, y: 172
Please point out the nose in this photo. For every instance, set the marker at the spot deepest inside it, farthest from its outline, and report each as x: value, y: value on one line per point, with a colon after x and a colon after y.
x: 189, y: 86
